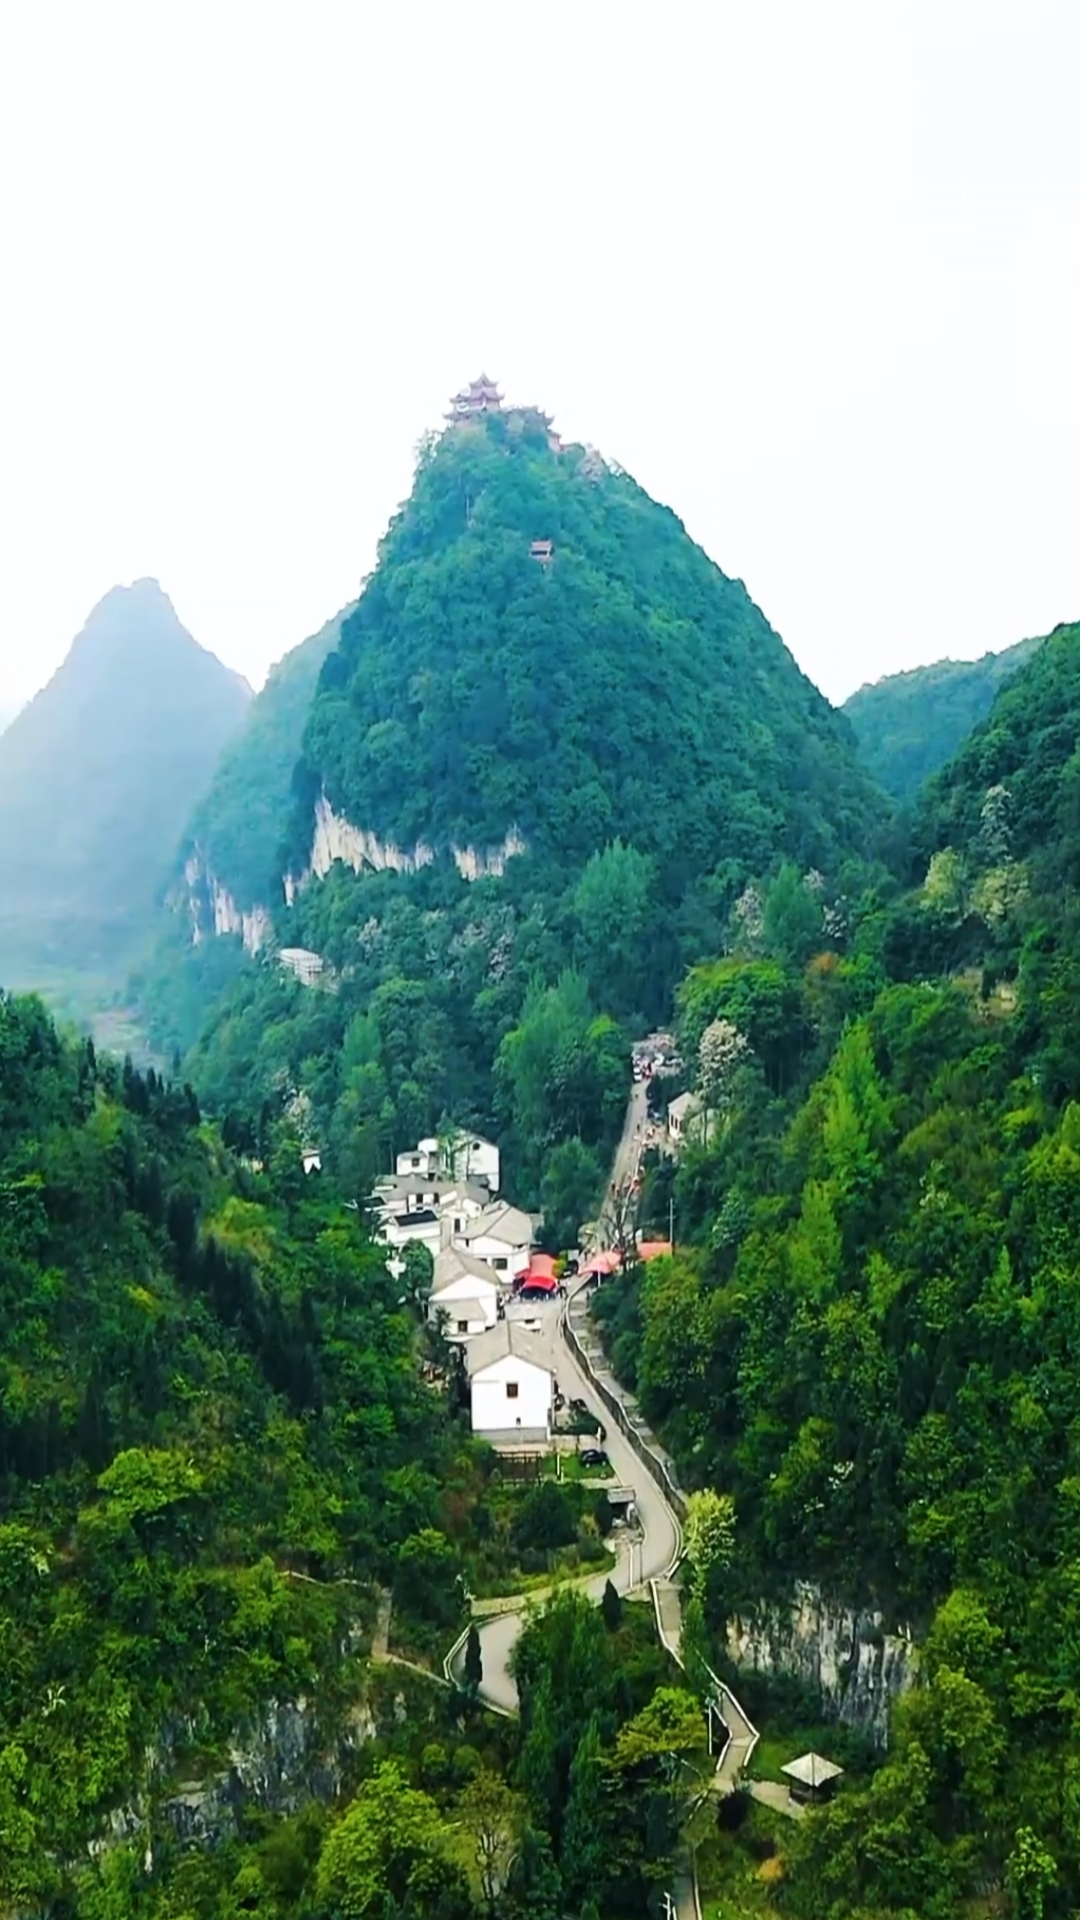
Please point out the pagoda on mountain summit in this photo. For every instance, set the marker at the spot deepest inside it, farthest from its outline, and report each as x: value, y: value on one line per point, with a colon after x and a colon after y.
x: 480, y: 396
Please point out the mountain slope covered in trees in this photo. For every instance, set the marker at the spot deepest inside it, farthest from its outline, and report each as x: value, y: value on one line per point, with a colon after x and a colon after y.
x: 231, y: 850
x: 617, y: 710
x: 186, y: 1356
x: 869, y: 1334
x: 623, y: 688
x: 236, y: 829
x: 223, y: 1433
x: 909, y: 724
x: 98, y: 776
x: 223, y: 1426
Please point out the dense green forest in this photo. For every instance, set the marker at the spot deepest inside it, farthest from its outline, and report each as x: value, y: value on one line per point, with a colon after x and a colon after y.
x: 233, y: 841
x: 624, y: 689
x: 236, y: 828
x: 869, y: 1337
x: 621, y: 706
x: 222, y: 1430
x: 909, y: 724
x: 98, y: 777
x: 227, y: 1433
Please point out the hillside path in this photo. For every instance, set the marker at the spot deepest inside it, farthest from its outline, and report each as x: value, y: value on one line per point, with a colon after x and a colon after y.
x: 639, y: 1561
x: 650, y: 1562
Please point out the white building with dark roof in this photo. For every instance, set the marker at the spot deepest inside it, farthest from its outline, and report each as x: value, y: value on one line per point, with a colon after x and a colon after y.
x: 513, y: 1393
x: 467, y: 1304
x: 502, y: 1235
x: 461, y: 1156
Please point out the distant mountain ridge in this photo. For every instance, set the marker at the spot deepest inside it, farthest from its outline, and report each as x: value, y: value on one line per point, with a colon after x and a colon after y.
x: 98, y: 777
x: 1012, y: 791
x: 909, y: 724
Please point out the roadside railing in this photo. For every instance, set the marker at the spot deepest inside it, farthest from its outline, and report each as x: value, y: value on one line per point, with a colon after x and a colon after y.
x: 654, y: 1462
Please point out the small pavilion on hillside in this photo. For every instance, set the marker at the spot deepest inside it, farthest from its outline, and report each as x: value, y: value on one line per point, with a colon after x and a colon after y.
x: 811, y: 1779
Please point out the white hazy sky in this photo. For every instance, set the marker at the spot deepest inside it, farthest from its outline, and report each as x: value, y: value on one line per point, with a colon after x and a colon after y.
x: 811, y: 272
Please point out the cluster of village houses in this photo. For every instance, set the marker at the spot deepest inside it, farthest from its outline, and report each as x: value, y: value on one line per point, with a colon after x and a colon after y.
x: 444, y: 1195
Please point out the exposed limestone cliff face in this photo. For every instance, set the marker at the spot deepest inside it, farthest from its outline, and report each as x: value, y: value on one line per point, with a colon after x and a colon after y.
x: 277, y: 1762
x: 213, y: 911
x: 254, y: 927
x: 335, y: 838
x: 285, y: 1756
x: 843, y: 1655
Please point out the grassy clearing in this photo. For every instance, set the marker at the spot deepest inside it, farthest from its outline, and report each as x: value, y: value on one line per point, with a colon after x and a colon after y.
x: 567, y: 1466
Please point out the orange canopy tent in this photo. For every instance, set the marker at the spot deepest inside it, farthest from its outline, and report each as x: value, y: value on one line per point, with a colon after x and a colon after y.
x: 602, y: 1263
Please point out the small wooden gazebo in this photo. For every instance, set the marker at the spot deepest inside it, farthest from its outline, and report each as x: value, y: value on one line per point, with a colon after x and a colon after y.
x: 811, y: 1779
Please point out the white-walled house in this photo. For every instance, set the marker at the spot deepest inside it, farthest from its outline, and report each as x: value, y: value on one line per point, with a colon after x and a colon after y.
x: 405, y: 1192
x: 502, y: 1235
x: 471, y: 1305
x: 477, y: 1159
x: 512, y: 1392
x: 681, y: 1114
x: 452, y: 1263
x: 422, y: 1160
x: 461, y: 1203
x: 408, y: 1208
x: 420, y: 1226
x: 467, y: 1156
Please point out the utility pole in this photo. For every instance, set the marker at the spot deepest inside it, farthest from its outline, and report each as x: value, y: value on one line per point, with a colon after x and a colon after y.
x: 671, y: 1221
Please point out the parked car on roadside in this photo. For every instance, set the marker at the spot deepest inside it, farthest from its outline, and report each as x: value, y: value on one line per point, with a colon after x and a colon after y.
x: 594, y: 1457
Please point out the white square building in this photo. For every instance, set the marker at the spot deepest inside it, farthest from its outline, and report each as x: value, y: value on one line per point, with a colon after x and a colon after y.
x: 512, y: 1392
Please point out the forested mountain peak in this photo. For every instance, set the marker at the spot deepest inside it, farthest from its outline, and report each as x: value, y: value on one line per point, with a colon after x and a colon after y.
x: 543, y: 654
x: 551, y: 749
x: 97, y: 778
x: 909, y: 724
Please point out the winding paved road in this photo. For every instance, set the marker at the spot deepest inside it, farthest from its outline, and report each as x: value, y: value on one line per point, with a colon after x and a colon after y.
x: 652, y: 1559
x: 637, y: 1562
